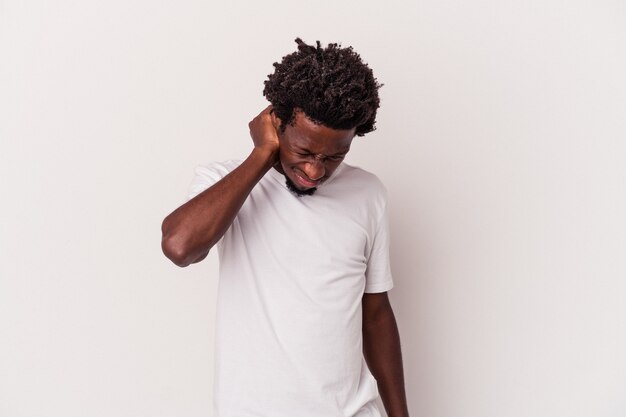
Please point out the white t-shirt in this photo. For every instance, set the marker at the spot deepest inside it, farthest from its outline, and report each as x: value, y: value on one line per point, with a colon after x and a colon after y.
x: 293, y: 270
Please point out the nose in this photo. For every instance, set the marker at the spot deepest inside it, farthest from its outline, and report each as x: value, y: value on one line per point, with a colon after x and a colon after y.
x: 315, y: 169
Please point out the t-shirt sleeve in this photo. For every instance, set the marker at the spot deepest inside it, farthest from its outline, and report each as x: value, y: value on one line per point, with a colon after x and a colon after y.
x: 378, y: 273
x: 207, y: 175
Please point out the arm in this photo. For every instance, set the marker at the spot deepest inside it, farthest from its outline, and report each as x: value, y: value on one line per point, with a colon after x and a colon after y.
x: 381, y: 349
x: 191, y: 230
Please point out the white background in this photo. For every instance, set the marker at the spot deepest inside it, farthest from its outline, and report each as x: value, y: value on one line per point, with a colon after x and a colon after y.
x: 501, y: 139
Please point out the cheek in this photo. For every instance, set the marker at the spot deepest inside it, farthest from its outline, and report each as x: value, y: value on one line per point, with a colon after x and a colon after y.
x: 282, y: 152
x: 284, y: 159
x: 287, y: 159
x: 332, y: 166
x: 287, y: 164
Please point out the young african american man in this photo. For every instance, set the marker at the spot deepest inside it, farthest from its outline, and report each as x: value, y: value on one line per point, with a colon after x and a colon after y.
x: 304, y: 327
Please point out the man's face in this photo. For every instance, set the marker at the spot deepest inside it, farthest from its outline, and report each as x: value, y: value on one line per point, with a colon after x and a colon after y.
x: 310, y: 153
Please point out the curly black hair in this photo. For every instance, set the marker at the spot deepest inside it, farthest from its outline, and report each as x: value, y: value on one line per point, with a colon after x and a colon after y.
x: 331, y: 85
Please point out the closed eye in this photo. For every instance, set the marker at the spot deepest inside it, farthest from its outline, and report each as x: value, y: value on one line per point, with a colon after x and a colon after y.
x: 309, y: 155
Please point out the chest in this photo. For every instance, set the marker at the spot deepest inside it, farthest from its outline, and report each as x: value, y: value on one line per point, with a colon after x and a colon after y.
x: 312, y: 232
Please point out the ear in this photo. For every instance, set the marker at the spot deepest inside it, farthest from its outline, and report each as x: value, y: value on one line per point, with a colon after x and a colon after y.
x: 275, y: 120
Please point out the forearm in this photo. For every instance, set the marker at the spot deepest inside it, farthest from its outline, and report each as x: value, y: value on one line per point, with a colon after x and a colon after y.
x: 381, y: 348
x: 191, y: 230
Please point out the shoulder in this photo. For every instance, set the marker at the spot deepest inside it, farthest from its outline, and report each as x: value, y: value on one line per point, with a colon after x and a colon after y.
x: 219, y: 168
x: 368, y: 182
x: 365, y: 195
x: 205, y: 175
x: 358, y: 191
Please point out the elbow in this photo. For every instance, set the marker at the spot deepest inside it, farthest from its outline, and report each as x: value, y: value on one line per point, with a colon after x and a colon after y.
x: 174, y: 252
x: 173, y: 246
x: 180, y: 247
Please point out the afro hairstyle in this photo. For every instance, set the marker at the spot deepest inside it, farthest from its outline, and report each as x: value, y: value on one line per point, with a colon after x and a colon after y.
x: 331, y: 85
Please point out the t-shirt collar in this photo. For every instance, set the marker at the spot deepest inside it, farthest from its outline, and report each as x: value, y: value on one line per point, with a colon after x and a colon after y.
x: 273, y: 172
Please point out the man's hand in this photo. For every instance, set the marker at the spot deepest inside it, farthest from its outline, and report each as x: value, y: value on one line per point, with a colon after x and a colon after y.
x: 264, y: 132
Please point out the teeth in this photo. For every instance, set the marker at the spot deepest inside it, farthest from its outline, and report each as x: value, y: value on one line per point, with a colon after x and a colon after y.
x: 307, y: 182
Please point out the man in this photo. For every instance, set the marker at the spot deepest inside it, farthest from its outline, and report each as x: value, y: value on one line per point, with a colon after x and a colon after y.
x: 304, y: 325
